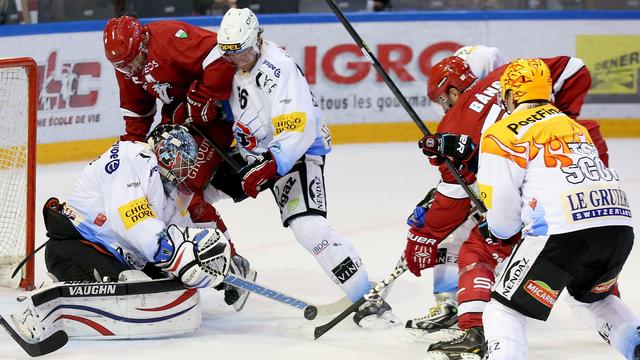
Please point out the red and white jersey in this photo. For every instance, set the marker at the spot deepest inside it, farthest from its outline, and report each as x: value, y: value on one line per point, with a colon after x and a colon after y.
x: 178, y: 55
x: 477, y: 109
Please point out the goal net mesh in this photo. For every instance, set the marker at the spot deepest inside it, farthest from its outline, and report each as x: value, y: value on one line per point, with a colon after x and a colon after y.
x: 14, y: 120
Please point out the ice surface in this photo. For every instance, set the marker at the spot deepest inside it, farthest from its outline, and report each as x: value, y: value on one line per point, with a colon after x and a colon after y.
x: 371, y: 189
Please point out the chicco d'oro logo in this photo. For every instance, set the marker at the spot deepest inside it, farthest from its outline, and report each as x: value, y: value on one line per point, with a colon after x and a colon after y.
x: 134, y: 212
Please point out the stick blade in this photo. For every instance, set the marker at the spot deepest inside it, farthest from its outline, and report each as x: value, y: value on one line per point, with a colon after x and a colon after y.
x: 54, y: 342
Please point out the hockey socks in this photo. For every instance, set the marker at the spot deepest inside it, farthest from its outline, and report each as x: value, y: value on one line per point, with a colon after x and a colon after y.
x: 335, y: 254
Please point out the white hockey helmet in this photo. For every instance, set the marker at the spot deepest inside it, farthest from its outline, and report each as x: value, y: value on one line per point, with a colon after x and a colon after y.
x: 238, y: 31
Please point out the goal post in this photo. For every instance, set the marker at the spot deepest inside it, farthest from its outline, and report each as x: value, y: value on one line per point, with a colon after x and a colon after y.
x: 18, y: 127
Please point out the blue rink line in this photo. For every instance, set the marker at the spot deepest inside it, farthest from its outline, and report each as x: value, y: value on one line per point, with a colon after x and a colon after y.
x: 319, y: 18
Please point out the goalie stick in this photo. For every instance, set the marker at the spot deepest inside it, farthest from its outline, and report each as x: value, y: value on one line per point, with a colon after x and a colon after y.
x: 403, y: 101
x: 39, y: 348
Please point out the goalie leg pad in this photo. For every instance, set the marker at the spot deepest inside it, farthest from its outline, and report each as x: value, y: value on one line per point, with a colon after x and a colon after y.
x: 126, y: 310
x: 335, y: 254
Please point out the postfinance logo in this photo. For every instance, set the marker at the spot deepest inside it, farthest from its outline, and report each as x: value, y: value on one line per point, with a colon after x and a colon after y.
x: 295, y: 121
x: 135, y: 212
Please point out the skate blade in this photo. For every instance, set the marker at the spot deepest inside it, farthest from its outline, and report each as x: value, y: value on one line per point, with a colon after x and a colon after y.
x: 439, y: 355
x: 382, y: 322
x: 416, y: 335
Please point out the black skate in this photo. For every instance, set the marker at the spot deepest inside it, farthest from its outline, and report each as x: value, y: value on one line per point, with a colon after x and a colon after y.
x: 439, y: 324
x: 637, y: 353
x: 375, y: 314
x: 442, y: 315
x: 233, y: 295
x: 468, y: 346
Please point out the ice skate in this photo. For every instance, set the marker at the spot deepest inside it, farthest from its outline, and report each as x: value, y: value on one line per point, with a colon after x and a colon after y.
x: 375, y: 314
x: 234, y: 296
x: 468, y: 346
x: 439, y: 324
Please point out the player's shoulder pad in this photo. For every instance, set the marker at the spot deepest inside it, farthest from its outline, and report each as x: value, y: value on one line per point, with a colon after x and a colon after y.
x: 516, y: 128
x: 182, y: 36
x: 139, y: 153
x: 276, y: 61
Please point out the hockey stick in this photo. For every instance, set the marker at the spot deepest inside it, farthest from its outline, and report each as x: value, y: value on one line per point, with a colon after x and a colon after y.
x: 237, y: 167
x: 310, y: 310
x: 403, y: 101
x: 39, y: 348
x: 24, y: 261
x: 385, y: 284
x: 322, y: 329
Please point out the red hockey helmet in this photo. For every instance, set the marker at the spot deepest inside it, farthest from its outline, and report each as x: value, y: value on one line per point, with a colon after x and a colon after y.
x: 450, y: 72
x: 123, y: 42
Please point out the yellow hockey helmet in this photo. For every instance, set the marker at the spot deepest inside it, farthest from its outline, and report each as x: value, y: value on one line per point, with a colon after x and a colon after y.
x: 528, y: 79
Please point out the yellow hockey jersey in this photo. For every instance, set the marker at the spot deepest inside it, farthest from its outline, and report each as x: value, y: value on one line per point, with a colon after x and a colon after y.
x: 539, y: 159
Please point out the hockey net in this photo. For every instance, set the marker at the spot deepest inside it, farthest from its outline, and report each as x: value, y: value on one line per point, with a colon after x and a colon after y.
x: 17, y: 168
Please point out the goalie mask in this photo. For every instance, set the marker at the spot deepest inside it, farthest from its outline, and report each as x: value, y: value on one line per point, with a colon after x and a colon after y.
x: 176, y: 151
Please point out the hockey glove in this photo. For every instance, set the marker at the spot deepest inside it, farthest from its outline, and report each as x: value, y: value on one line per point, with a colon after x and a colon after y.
x: 458, y: 148
x: 421, y: 252
x: 256, y: 175
x: 201, y: 258
x: 201, y: 109
x: 492, y: 239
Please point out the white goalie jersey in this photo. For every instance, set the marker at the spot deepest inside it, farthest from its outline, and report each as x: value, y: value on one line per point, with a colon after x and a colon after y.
x: 119, y: 203
x: 274, y: 111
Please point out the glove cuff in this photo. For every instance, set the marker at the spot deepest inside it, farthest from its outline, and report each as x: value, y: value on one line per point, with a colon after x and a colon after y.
x: 417, y: 236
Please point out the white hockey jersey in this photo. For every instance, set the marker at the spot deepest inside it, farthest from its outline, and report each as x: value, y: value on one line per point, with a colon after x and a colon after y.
x: 119, y: 203
x: 274, y: 110
x: 540, y: 159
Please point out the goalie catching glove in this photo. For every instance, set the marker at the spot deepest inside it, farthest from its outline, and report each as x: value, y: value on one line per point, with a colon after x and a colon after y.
x: 199, y: 257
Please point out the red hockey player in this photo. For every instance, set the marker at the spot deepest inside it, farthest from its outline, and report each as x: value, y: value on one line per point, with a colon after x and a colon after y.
x: 179, y: 64
x: 471, y: 105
